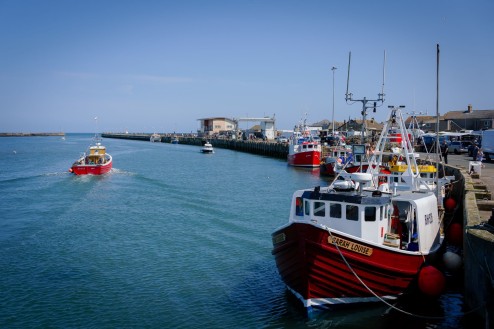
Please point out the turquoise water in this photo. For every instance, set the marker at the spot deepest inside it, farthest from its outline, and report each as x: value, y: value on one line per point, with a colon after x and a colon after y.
x: 170, y: 238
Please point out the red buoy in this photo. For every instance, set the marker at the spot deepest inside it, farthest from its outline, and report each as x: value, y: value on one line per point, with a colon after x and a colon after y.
x: 454, y: 234
x: 431, y: 281
x: 450, y: 204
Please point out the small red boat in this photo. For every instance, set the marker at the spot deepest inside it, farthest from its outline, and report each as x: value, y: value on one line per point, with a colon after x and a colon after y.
x: 304, y: 150
x: 94, y: 162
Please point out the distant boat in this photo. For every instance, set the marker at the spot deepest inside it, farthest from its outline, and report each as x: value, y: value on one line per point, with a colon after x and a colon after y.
x: 175, y: 140
x: 207, y: 148
x: 303, y: 149
x: 155, y: 138
x: 95, y: 161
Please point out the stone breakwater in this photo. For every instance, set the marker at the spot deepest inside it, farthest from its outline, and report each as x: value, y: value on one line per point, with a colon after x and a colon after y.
x: 30, y: 134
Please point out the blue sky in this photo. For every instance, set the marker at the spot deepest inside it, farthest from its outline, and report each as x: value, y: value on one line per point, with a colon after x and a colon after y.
x: 147, y: 66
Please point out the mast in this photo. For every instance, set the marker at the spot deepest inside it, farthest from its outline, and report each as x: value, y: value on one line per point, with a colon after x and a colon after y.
x: 437, y: 116
x: 364, y: 101
x: 333, y: 69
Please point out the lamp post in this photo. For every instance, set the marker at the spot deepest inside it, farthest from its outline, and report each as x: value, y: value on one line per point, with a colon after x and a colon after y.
x: 333, y: 69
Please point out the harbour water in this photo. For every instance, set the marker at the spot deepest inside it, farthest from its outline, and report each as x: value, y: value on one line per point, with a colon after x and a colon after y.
x: 170, y: 238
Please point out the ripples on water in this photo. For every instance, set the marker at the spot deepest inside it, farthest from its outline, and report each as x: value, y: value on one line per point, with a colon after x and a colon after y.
x: 170, y: 238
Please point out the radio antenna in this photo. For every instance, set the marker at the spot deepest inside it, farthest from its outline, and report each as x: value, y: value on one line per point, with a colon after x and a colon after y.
x: 347, y: 95
x: 384, y: 77
x: 364, y: 101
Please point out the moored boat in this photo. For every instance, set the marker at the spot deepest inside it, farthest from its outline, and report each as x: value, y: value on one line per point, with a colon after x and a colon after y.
x: 95, y: 161
x: 155, y: 138
x: 335, y: 158
x: 303, y: 149
x: 366, y: 237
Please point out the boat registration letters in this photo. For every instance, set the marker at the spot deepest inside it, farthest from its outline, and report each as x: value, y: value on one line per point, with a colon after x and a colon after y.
x: 358, y: 248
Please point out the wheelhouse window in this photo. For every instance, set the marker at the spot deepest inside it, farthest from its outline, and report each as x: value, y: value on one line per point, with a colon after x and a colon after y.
x: 352, y: 212
x: 335, y: 210
x: 307, y: 207
x: 370, y: 214
x: 319, y: 209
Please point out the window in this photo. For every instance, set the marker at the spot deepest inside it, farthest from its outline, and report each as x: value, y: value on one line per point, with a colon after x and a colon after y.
x: 307, y: 207
x: 370, y: 214
x: 299, y: 207
x: 352, y: 212
x: 335, y: 210
x: 319, y: 209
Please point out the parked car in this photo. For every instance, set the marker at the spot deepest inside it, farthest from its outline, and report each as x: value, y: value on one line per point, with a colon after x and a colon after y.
x: 282, y: 139
x: 457, y: 147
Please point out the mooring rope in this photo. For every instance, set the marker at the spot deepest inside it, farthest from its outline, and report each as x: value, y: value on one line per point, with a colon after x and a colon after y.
x: 378, y: 297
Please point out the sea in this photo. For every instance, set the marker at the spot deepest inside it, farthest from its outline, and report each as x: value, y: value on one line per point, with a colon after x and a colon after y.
x: 170, y: 238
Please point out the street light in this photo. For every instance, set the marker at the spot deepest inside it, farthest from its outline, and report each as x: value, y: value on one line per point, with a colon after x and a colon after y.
x: 333, y: 69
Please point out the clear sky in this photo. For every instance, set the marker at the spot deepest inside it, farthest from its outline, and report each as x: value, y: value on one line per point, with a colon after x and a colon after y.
x: 146, y: 66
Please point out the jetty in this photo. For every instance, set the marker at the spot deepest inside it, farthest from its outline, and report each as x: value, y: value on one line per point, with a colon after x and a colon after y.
x: 30, y: 134
x: 256, y: 146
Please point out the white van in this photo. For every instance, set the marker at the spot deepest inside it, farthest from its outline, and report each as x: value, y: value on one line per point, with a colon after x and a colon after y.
x: 488, y: 144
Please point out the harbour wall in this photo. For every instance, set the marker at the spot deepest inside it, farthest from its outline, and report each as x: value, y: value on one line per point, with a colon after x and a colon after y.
x: 267, y: 148
x: 30, y: 134
x: 478, y: 247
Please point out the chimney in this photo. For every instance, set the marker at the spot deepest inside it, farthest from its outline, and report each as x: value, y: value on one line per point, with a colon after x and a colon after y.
x: 470, y: 108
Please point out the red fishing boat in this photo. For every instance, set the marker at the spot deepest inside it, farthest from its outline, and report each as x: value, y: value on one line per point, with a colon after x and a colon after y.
x: 363, y: 238
x: 304, y: 150
x: 93, y: 162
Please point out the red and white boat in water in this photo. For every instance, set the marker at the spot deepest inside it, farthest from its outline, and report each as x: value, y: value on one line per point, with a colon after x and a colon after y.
x: 95, y: 161
x: 303, y: 149
x: 367, y: 236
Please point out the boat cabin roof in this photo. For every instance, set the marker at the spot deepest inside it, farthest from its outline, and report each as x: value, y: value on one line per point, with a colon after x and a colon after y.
x: 348, y: 197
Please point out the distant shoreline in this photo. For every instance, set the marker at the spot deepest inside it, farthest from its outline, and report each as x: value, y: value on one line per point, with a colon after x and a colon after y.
x: 30, y: 134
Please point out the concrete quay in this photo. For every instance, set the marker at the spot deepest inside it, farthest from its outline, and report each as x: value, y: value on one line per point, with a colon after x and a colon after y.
x: 478, y: 238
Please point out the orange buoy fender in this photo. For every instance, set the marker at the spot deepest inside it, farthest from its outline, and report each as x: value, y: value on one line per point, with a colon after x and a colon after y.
x: 454, y: 234
x: 450, y: 204
x: 431, y: 281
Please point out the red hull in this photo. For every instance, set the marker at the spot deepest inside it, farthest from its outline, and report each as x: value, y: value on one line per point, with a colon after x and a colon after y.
x: 326, y: 169
x: 305, y: 159
x: 91, y: 169
x: 314, y: 270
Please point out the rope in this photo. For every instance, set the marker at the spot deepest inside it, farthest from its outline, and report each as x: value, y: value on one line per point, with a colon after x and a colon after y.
x: 378, y: 297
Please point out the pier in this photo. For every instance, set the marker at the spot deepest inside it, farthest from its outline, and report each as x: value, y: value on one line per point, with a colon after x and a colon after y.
x: 477, y: 210
x: 259, y: 147
x: 30, y: 134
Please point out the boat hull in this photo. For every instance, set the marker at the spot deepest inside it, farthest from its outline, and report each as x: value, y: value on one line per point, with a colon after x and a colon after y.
x: 314, y: 270
x: 305, y: 159
x: 327, y: 169
x: 91, y: 169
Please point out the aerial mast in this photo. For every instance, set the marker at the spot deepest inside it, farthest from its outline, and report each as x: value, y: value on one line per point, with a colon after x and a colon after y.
x: 364, y: 101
